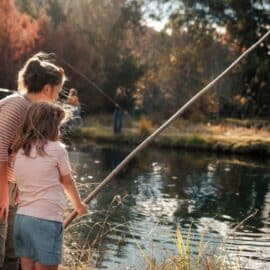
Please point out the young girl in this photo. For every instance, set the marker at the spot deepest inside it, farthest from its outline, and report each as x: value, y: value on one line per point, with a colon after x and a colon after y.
x: 42, y: 172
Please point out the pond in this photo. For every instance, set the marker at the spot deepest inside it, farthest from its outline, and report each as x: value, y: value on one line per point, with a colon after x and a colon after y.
x: 165, y: 189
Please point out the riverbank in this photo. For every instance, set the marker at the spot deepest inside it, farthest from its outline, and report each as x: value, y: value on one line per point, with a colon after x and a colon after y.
x: 230, y: 136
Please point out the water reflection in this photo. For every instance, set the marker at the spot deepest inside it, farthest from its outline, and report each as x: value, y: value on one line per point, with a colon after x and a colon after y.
x: 166, y: 188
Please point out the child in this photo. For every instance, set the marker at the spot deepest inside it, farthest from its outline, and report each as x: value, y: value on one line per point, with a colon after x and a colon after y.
x: 43, y: 172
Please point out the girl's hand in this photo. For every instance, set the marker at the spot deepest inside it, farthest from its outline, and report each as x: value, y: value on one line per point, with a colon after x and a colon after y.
x: 81, y: 209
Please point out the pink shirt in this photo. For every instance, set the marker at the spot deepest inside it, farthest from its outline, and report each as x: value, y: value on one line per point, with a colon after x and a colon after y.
x: 41, y: 193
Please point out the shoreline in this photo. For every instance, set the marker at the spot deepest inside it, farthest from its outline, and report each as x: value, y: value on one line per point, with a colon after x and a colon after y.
x: 230, y: 140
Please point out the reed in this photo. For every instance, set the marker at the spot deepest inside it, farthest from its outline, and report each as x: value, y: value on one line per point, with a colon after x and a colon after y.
x: 86, y: 254
x: 199, y: 258
x: 190, y: 254
x: 186, y: 257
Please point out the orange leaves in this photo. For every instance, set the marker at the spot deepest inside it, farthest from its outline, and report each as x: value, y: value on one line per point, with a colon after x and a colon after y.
x: 19, y: 31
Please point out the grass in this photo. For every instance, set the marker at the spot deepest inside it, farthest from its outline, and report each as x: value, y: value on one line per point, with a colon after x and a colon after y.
x: 86, y: 255
x: 145, y: 126
x: 203, y: 259
x: 232, y: 136
x: 184, y: 259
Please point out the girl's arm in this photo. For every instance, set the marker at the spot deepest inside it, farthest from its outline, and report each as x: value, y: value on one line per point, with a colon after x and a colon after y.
x: 73, y: 194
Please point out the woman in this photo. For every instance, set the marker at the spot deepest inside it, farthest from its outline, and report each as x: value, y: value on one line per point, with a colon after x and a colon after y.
x: 38, y: 80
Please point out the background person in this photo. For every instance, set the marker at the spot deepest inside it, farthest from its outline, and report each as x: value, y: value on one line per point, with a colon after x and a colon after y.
x: 121, y: 100
x: 73, y: 100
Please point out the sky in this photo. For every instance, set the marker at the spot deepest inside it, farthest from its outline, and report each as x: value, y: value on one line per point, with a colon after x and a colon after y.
x: 157, y: 15
x: 157, y: 25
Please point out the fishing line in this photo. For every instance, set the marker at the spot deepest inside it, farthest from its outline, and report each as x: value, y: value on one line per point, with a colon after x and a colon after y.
x: 91, y: 83
x: 7, y: 91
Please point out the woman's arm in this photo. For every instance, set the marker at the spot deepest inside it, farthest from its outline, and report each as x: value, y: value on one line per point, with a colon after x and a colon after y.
x: 4, y: 197
x: 10, y: 117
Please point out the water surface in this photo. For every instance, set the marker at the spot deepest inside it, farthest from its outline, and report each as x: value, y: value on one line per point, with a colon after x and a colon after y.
x: 162, y: 189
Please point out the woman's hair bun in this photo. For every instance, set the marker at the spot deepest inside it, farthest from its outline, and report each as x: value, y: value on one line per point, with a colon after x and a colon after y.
x: 38, y: 71
x: 34, y: 66
x: 47, y: 57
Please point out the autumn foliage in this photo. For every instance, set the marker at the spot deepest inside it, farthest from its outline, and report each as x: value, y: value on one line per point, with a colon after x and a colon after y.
x: 19, y: 35
x: 22, y: 35
x: 111, y: 45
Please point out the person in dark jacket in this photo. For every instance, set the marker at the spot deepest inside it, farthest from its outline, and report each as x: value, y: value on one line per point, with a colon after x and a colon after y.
x: 120, y: 108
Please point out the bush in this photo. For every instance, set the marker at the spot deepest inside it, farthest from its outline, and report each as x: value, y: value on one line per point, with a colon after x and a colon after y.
x: 145, y: 126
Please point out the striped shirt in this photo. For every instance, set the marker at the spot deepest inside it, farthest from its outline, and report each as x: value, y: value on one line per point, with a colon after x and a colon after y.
x: 12, y: 111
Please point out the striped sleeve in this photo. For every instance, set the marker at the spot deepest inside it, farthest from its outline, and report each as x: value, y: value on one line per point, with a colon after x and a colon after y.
x: 11, y: 114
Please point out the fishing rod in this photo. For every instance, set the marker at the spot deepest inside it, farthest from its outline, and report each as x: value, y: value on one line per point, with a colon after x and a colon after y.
x: 91, y: 83
x: 7, y: 90
x: 150, y: 138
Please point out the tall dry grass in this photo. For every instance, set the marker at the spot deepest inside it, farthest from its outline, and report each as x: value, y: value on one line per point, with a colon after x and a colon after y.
x: 87, y: 255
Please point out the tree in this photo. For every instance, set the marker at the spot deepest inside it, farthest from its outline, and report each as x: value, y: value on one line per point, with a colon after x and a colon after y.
x: 18, y: 37
x: 29, y: 7
x: 178, y: 63
x: 244, y: 21
x: 107, y: 25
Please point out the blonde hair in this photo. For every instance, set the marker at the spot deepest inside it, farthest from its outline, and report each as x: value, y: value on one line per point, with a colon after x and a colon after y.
x: 41, y: 123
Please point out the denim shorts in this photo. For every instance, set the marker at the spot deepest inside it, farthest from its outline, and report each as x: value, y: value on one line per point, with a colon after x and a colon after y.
x: 38, y: 239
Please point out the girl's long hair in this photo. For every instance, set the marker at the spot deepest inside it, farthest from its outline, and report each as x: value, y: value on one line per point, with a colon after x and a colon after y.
x: 41, y: 123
